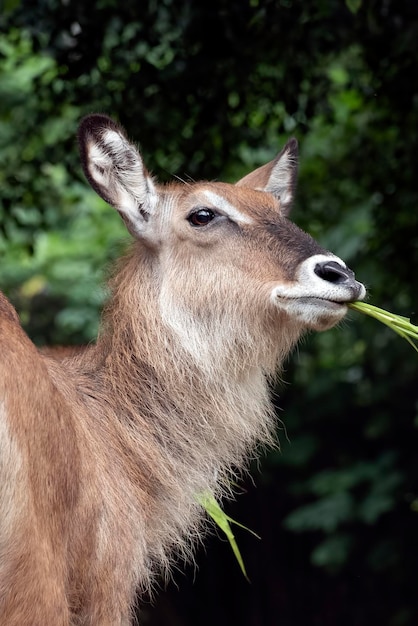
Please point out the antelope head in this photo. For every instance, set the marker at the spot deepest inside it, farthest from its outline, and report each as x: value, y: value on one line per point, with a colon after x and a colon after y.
x: 224, y: 256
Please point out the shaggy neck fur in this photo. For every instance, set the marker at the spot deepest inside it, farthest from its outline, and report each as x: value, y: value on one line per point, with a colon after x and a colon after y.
x: 185, y: 427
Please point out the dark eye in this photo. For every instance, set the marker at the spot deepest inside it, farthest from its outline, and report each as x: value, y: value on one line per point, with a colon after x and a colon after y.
x: 201, y: 217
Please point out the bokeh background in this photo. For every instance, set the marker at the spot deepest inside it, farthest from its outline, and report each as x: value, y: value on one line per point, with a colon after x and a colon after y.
x: 211, y: 90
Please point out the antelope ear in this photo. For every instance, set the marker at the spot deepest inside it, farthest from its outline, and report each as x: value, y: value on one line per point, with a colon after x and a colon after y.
x: 115, y: 170
x: 277, y: 177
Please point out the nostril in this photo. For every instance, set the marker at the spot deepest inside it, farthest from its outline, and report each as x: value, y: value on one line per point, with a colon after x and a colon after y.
x: 333, y: 272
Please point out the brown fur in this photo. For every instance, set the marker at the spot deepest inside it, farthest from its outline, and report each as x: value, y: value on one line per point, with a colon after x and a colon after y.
x: 103, y: 452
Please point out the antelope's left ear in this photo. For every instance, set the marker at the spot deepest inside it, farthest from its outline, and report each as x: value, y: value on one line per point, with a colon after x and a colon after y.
x: 277, y: 177
x: 115, y: 170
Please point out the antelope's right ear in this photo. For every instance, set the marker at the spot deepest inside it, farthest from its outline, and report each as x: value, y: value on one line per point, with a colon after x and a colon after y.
x: 115, y: 170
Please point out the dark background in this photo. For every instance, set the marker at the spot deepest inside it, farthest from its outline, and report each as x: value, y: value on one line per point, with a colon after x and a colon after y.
x: 213, y: 90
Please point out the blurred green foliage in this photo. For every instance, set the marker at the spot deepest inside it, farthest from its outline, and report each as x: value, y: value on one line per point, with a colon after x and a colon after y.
x: 213, y: 90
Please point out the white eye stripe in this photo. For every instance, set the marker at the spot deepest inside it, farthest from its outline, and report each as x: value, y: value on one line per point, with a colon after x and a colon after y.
x: 227, y: 208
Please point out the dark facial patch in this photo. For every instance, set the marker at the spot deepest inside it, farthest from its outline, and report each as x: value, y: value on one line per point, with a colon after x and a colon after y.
x: 287, y: 243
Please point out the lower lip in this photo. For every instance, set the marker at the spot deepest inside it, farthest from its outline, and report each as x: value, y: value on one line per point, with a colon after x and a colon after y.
x: 329, y: 304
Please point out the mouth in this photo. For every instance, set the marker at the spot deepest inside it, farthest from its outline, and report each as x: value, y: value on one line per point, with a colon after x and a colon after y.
x: 321, y: 302
x: 318, y: 296
x: 312, y: 311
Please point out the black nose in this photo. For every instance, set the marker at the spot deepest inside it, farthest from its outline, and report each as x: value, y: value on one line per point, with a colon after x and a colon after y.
x: 333, y: 272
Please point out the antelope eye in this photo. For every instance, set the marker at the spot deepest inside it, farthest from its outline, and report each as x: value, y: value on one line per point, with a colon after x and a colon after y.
x: 201, y: 217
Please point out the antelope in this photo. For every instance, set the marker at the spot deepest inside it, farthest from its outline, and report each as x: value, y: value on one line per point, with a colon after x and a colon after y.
x: 103, y: 453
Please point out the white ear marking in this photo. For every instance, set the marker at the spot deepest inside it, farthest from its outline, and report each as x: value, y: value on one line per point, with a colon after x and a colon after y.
x: 113, y: 139
x: 282, y: 179
x: 99, y: 163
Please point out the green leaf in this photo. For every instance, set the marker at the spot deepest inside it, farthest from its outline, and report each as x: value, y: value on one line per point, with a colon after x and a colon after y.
x: 325, y: 514
x: 399, y: 324
x: 224, y: 522
x: 10, y: 5
x: 333, y: 551
x: 353, y: 5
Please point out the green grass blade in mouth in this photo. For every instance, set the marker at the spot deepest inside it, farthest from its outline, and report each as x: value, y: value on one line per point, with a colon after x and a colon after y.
x: 398, y: 323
